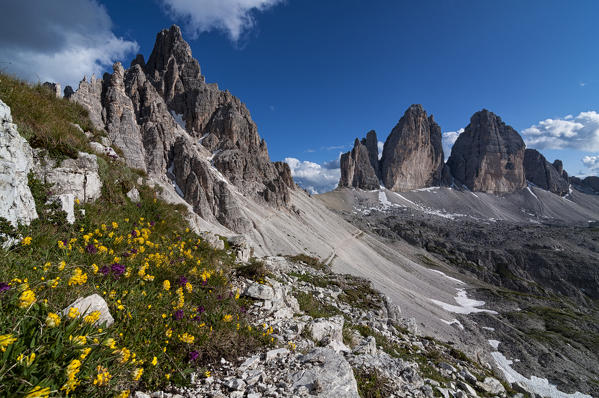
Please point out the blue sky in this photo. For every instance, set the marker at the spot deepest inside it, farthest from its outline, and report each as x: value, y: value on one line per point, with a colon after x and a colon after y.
x: 317, y: 74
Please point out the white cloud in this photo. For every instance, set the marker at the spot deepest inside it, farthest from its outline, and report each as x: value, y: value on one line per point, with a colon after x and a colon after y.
x: 380, y: 146
x: 231, y: 16
x: 63, y: 41
x: 313, y: 177
x: 448, y: 139
x: 579, y: 132
x: 591, y: 163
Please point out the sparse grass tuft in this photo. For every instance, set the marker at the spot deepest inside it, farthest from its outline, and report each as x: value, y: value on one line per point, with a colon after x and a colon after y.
x: 315, y: 308
x: 371, y: 384
x: 312, y: 262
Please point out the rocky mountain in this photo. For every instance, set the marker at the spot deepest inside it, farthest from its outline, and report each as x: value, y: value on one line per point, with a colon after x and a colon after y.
x: 413, y: 154
x: 170, y: 123
x: 488, y: 156
x: 357, y: 169
x: 544, y: 174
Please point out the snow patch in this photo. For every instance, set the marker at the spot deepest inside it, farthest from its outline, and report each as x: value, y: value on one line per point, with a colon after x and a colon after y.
x: 532, y: 193
x: 428, y: 189
x: 494, y: 343
x: 179, y: 119
x: 454, y: 321
x: 447, y: 276
x: 536, y: 384
x: 383, y: 199
x: 489, y: 329
x: 465, y: 305
x: 173, y: 180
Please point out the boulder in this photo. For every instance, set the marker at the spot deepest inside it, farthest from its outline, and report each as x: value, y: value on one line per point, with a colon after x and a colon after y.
x: 544, y: 174
x: 16, y: 160
x: 89, y: 304
x: 491, y: 386
x: 488, y: 156
x: 327, y: 330
x: 242, y: 248
x: 413, y: 153
x: 214, y: 241
x: 331, y: 377
x: 133, y: 195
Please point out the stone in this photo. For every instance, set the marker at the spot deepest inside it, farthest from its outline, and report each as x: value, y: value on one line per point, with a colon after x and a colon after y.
x: 413, y: 153
x: 242, y: 249
x: 357, y: 170
x: 488, y: 156
x: 491, y: 386
x: 276, y: 353
x: 78, y: 177
x: 54, y: 88
x: 103, y: 149
x: 89, y: 95
x: 325, y: 330
x: 67, y: 204
x: 467, y: 388
x: 16, y: 161
x: 133, y: 195
x: 250, y: 363
x: 235, y: 384
x: 366, y: 346
x: 543, y: 174
x: 259, y: 291
x: 89, y: 304
x: 332, y: 375
x: 214, y: 241
x: 371, y: 143
x: 139, y: 394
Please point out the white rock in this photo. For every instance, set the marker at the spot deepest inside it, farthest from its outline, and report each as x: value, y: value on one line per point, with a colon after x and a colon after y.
x: 139, y: 394
x: 89, y: 304
x: 276, y: 353
x: 133, y: 194
x: 249, y: 363
x: 213, y: 240
x: 467, y: 388
x: 327, y: 329
x: 491, y: 386
x: 67, y: 204
x: 259, y: 291
x: 16, y: 160
x: 241, y: 247
x: 103, y: 149
x: 366, y: 346
x: 332, y: 375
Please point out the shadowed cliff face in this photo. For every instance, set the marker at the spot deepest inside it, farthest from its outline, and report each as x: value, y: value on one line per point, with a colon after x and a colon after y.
x: 544, y: 174
x: 488, y: 156
x: 172, y: 124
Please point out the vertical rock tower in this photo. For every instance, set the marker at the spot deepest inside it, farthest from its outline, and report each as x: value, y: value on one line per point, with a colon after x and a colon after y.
x: 488, y: 156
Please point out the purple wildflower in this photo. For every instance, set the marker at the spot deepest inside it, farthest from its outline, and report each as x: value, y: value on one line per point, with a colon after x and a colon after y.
x: 193, y: 355
x: 179, y: 315
x: 139, y: 205
x: 182, y: 281
x: 197, y: 319
x: 117, y: 269
x: 133, y: 233
x: 152, y: 223
x: 201, y: 309
x: 91, y: 249
x: 4, y: 287
x: 134, y: 251
x: 105, y: 270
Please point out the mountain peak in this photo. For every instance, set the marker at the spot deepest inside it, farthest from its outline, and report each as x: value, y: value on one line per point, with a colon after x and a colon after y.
x: 169, y: 44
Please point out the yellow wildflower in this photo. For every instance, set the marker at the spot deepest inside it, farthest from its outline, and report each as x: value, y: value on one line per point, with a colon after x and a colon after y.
x: 136, y: 374
x: 92, y: 317
x: 188, y: 287
x: 95, y: 268
x: 169, y: 333
x: 124, y: 394
x: 61, y: 244
x: 61, y: 265
x: 115, y: 225
x: 207, y: 373
x: 187, y: 338
x: 73, y: 312
x: 79, y: 340
x: 110, y: 343
x: 227, y: 318
x: 77, y: 201
x: 26, y: 298
x: 72, y: 381
x: 124, y: 354
x: 78, y: 277
x: 52, y: 320
x: 166, y: 285
x: 154, y: 361
x: 103, y: 376
x: 26, y: 241
x: 85, y: 352
x: 38, y: 392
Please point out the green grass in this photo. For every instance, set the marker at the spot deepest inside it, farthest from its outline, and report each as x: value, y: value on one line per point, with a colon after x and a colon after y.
x: 371, y: 384
x: 312, y: 262
x: 44, y: 120
x: 311, y: 306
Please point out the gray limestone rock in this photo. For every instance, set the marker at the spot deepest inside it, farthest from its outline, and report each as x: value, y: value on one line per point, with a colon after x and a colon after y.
x: 488, y: 156
x: 16, y: 160
x: 357, y: 170
x: 413, y: 153
x: 89, y: 304
x: 543, y: 174
x: 89, y: 95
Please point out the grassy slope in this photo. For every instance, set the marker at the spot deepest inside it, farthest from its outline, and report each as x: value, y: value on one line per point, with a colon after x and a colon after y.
x: 166, y: 332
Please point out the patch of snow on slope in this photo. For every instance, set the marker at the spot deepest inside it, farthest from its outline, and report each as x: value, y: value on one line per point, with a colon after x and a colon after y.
x: 427, y: 189
x: 455, y: 321
x: 489, y: 329
x: 465, y: 305
x: 537, y: 385
x: 178, y: 118
x: 494, y: 343
x: 532, y: 193
x: 172, y: 178
x: 447, y: 276
x: 383, y: 199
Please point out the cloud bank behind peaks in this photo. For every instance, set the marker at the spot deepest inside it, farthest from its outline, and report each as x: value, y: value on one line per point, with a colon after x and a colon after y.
x: 231, y: 16
x: 62, y: 41
x: 574, y: 132
x: 313, y: 177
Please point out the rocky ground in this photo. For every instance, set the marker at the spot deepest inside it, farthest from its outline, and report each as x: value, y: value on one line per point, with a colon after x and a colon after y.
x: 333, y: 335
x: 542, y: 279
